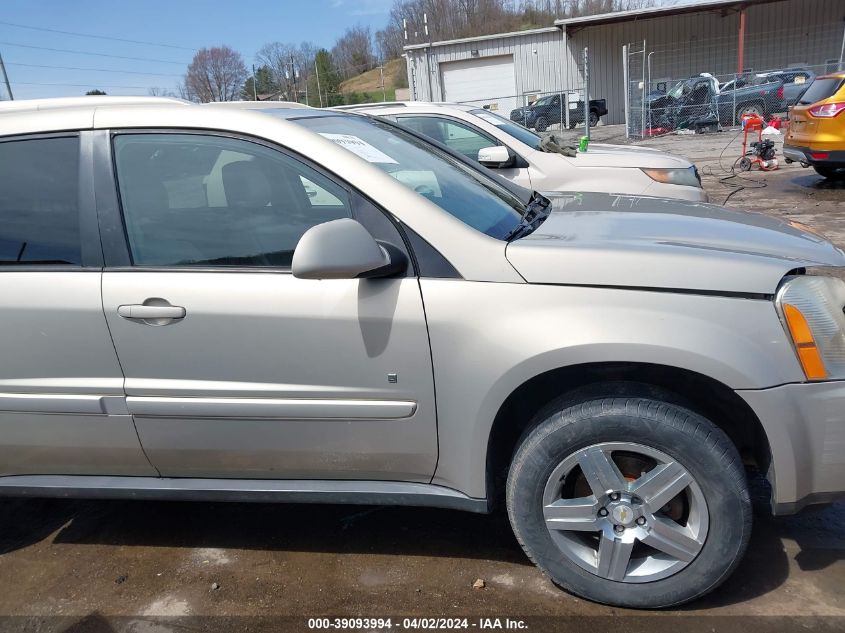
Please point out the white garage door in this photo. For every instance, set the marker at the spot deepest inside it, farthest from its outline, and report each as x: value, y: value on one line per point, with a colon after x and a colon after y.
x: 486, y: 81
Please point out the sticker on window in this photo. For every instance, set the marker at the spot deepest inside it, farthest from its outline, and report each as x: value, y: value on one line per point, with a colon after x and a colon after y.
x: 360, y: 147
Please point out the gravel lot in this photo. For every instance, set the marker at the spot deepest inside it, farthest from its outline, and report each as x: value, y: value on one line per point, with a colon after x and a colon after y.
x: 150, y: 566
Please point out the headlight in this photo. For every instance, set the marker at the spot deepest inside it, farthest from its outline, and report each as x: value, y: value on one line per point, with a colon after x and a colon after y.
x: 687, y: 177
x: 811, y: 308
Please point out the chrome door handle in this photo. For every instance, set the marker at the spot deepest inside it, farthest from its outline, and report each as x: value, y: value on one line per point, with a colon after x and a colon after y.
x: 151, y: 312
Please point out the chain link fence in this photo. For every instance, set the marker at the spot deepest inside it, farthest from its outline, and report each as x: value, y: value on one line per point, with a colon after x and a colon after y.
x: 669, y: 88
x: 707, y: 102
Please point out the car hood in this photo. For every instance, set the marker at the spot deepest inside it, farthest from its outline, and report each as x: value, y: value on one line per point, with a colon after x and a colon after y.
x: 597, y: 239
x: 602, y: 155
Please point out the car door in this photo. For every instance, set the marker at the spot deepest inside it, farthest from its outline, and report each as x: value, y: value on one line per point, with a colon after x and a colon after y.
x: 463, y: 138
x: 62, y: 410
x: 234, y: 368
x: 555, y: 111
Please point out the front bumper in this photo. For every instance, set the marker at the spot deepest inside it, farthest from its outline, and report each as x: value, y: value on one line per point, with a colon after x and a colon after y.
x: 805, y: 426
x: 801, y: 154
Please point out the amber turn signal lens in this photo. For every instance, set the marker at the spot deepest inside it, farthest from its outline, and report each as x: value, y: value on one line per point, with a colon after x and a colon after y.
x: 805, y: 344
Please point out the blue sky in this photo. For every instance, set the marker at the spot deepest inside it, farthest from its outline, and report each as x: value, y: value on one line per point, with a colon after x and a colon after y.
x: 245, y: 25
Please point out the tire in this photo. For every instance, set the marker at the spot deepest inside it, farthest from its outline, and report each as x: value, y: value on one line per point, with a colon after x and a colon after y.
x: 744, y: 164
x: 831, y: 173
x: 592, y: 428
x: 749, y: 108
x: 594, y: 118
x: 541, y: 124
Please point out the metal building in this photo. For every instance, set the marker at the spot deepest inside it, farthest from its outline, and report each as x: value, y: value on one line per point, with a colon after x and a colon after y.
x: 717, y: 36
x: 495, y: 70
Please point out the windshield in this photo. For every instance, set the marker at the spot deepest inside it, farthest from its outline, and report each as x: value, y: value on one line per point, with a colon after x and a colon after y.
x: 521, y: 134
x: 456, y: 188
x: 544, y: 100
x: 820, y: 89
x: 678, y: 89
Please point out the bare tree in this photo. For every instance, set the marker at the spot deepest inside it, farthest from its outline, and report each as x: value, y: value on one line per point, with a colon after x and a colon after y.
x: 278, y: 57
x: 389, y: 41
x: 304, y: 65
x: 291, y: 66
x: 353, y: 51
x: 215, y: 74
x: 157, y: 91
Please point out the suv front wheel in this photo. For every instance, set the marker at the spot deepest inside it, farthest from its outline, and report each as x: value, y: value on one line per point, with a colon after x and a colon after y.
x: 633, y: 502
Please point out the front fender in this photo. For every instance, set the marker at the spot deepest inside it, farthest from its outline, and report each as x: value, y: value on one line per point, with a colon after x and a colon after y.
x: 487, y: 339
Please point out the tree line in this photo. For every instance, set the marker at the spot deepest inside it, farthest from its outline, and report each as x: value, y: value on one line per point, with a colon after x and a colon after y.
x: 304, y: 72
x: 282, y: 70
x: 455, y: 19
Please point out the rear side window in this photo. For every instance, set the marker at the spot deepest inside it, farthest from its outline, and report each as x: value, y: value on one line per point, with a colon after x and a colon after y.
x: 39, y: 202
x: 819, y: 90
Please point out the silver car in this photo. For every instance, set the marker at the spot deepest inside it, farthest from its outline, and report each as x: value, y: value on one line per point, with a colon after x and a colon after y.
x: 211, y: 303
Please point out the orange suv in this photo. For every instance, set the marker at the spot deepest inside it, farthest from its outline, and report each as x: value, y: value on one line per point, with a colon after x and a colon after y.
x: 817, y: 127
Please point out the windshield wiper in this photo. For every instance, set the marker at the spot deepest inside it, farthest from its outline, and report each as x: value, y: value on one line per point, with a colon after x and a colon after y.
x: 535, y: 212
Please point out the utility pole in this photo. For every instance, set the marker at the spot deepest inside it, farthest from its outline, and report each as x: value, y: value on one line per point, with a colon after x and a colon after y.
x: 381, y: 72
x: 6, y: 79
x: 293, y: 78
x: 254, y: 87
x: 410, y: 63
x: 317, y: 72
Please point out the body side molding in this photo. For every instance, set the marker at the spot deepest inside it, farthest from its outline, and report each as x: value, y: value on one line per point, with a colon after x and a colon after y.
x: 386, y: 493
x: 277, y: 408
x: 66, y: 403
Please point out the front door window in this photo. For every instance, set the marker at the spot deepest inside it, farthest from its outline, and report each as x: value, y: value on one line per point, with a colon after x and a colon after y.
x: 192, y: 200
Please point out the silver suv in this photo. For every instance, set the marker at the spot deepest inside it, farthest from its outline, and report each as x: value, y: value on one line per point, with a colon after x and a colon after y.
x: 209, y: 303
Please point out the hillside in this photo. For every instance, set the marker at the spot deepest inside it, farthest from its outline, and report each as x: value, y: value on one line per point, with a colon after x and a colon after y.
x: 370, y: 81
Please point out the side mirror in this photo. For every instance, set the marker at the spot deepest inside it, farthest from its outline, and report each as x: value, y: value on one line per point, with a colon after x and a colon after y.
x: 496, y: 157
x: 343, y: 249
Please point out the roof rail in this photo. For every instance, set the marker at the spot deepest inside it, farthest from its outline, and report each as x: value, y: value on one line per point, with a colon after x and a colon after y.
x: 256, y: 105
x: 76, y: 102
x: 379, y: 104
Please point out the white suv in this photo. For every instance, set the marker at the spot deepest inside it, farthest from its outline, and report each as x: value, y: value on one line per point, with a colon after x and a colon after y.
x: 522, y: 156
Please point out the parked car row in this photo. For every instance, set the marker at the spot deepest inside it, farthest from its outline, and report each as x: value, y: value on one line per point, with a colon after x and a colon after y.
x: 529, y: 160
x: 276, y: 303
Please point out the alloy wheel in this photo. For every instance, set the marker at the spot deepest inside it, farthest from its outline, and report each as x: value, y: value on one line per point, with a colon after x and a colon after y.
x: 625, y: 512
